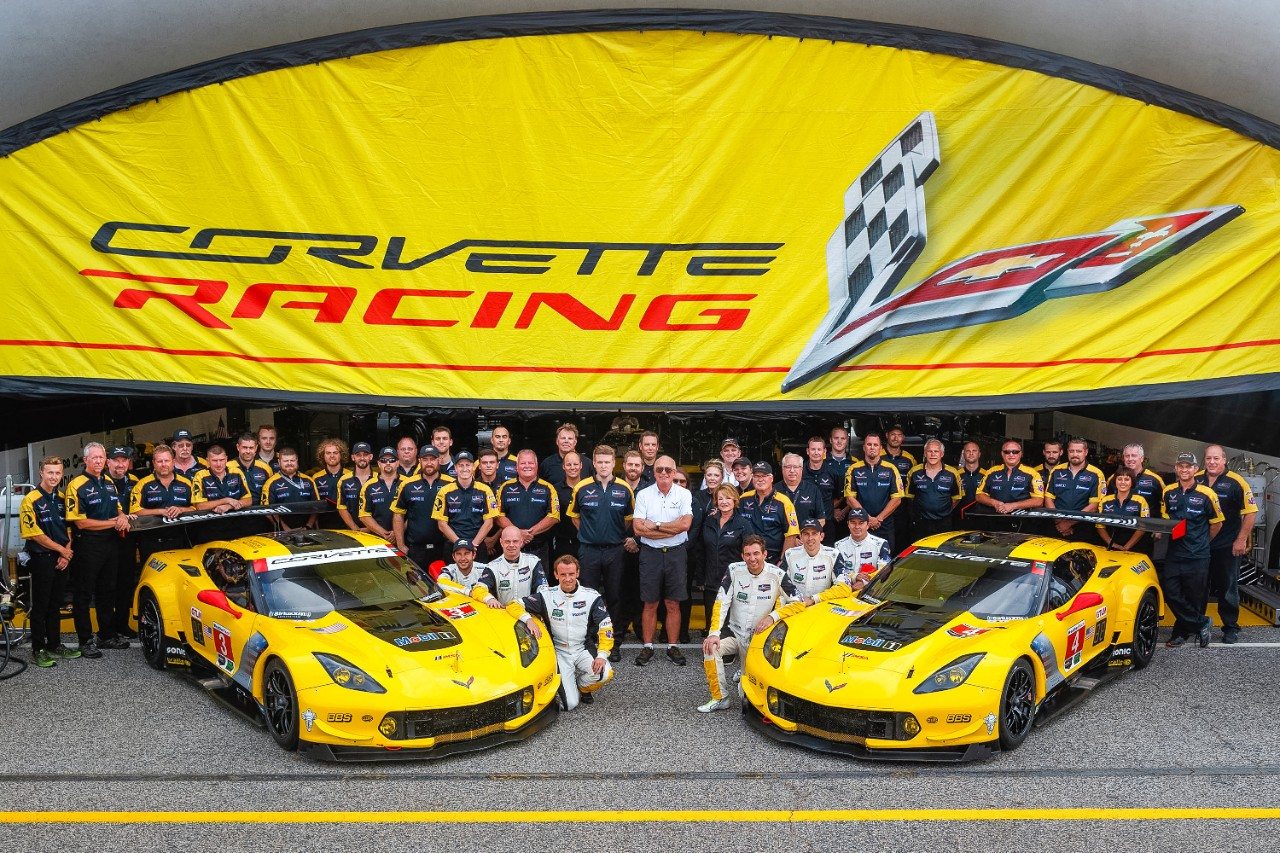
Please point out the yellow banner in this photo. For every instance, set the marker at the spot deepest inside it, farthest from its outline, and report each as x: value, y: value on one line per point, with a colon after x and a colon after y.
x: 648, y: 218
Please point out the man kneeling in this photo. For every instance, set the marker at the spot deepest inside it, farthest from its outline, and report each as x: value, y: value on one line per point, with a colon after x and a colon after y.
x: 749, y: 599
x: 580, y: 629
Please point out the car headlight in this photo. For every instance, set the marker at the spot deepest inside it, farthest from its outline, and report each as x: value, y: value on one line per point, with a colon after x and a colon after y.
x: 952, y: 675
x: 773, y: 644
x: 346, y: 674
x: 527, y: 643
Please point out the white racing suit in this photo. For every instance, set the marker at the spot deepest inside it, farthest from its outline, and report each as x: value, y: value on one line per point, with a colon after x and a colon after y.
x: 866, y: 557
x: 514, y: 581
x: 470, y: 584
x: 581, y: 632
x: 813, y: 576
x: 742, y: 601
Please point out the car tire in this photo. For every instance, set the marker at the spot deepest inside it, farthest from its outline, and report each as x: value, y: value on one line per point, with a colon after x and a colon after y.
x: 151, y: 629
x: 1017, y: 705
x: 1146, y: 625
x: 280, y: 705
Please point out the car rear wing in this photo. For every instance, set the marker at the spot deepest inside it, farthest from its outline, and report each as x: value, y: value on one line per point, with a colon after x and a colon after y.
x: 158, y: 522
x: 1174, y: 529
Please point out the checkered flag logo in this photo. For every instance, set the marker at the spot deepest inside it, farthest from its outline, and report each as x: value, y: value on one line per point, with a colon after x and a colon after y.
x: 884, y: 231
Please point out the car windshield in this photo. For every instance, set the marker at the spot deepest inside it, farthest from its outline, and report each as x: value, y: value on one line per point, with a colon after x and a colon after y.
x: 312, y: 590
x: 987, y: 587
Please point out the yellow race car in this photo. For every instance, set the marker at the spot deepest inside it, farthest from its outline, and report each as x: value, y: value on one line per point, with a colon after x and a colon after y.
x: 956, y: 649
x: 343, y: 647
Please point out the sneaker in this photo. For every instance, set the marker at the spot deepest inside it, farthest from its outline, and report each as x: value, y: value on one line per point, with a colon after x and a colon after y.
x: 676, y: 656
x: 586, y: 698
x: 89, y: 649
x: 646, y: 655
x: 65, y: 652
x: 1204, y: 635
x: 43, y: 659
x: 129, y: 634
x: 615, y: 655
x: 1230, y: 638
x: 113, y: 643
x: 715, y: 705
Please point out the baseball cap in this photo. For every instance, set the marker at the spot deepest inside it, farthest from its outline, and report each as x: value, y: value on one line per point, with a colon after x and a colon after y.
x: 361, y: 447
x: 463, y: 545
x: 810, y: 524
x: 464, y: 456
x: 126, y: 452
x: 762, y: 468
x: 741, y: 462
x: 730, y: 442
x: 182, y: 435
x: 386, y: 453
x: 427, y: 450
x: 1187, y: 459
x: 856, y: 514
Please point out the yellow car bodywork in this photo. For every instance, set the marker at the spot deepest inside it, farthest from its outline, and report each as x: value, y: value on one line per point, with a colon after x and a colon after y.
x: 861, y: 697
x: 451, y: 669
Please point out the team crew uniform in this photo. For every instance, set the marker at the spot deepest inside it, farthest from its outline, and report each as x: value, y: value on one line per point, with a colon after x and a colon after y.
x: 349, y: 489
x: 526, y: 506
x: 1075, y: 491
x: 604, y: 518
x: 327, y: 489
x: 773, y: 518
x: 873, y: 487
x: 1185, y: 574
x: 465, y: 509
x: 416, y: 501
x: 128, y: 569
x: 742, y: 601
x: 44, y: 513
x: 506, y: 469
x: 197, y: 465
x: 933, y: 499
x: 286, y: 490
x: 256, y: 475
x: 150, y: 493
x: 1134, y: 506
x: 377, y: 498
x: 93, y: 568
x: 581, y: 632
x: 1237, y: 502
x: 806, y: 499
x: 831, y: 485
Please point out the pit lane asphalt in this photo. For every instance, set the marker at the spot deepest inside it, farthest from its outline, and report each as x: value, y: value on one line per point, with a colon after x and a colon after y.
x: 1194, y: 731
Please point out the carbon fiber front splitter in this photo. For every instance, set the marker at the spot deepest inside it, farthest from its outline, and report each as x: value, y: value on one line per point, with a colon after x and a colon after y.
x: 971, y: 752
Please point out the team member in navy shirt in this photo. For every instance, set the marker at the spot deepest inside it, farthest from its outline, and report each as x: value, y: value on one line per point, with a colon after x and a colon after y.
x: 601, y: 508
x: 48, y: 545
x: 331, y: 460
x: 1125, y: 502
x: 531, y: 504
x: 806, y: 497
x: 1076, y: 486
x: 1012, y: 485
x: 830, y: 483
x: 290, y: 486
x: 416, y: 532
x: 500, y: 438
x: 1186, y: 567
x: 96, y: 514
x: 119, y: 461
x: 163, y: 493
x: 352, y: 483
x: 876, y: 486
x: 1232, y: 542
x: 379, y: 493
x: 933, y: 489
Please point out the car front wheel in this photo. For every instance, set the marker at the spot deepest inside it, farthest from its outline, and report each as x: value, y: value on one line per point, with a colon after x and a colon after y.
x: 280, y: 703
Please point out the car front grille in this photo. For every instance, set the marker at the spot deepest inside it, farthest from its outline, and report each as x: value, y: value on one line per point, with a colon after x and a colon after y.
x: 466, y: 722
x: 851, y: 725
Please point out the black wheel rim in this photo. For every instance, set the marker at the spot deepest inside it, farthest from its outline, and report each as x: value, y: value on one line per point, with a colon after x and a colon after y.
x: 1019, y: 703
x: 280, y: 708
x: 1144, y: 635
x: 149, y: 629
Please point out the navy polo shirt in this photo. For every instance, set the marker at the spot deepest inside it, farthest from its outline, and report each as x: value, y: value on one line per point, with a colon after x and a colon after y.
x: 376, y: 498
x: 256, y: 475
x: 933, y: 497
x: 327, y: 484
x: 773, y: 517
x: 506, y: 468
x: 1199, y: 507
x: 349, y: 488
x: 1074, y: 492
x: 464, y: 509
x: 1236, y: 500
x: 415, y: 502
x: 829, y: 482
x: 970, y: 482
x: 1011, y: 486
x: 873, y: 486
x: 43, y: 512
x: 94, y: 499
x: 208, y: 487
x: 524, y: 506
x: 1134, y: 506
x: 806, y: 499
x: 904, y: 462
x: 285, y: 490
x: 150, y: 493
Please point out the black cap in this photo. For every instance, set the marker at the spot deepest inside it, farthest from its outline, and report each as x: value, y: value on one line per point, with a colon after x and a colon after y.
x: 427, y: 450
x: 361, y: 447
x: 464, y: 456
x: 857, y: 514
x: 1187, y: 459
x: 182, y: 435
x: 762, y: 468
x: 126, y: 452
x: 387, y: 453
x: 463, y: 545
x: 741, y: 462
x: 729, y: 441
x: 811, y: 524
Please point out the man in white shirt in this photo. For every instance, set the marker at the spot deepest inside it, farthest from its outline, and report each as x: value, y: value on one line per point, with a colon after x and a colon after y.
x: 663, y: 514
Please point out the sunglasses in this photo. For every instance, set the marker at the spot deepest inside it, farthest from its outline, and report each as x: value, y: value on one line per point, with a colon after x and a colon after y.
x: 665, y: 470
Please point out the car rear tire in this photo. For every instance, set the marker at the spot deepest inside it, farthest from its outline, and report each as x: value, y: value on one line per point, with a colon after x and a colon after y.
x: 1017, y: 705
x: 280, y: 705
x: 151, y: 629
x: 1146, y: 625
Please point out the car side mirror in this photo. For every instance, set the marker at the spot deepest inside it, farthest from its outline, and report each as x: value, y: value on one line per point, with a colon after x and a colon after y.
x: 1083, y: 601
x: 216, y: 598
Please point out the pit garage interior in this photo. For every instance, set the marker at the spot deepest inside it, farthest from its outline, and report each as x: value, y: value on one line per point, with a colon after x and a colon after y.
x: 1116, y: 771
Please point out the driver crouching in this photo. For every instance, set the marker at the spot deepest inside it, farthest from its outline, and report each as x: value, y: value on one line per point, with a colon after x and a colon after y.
x: 580, y: 630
